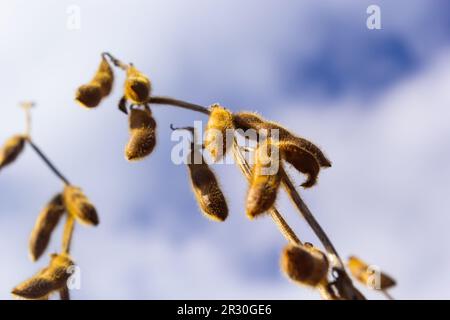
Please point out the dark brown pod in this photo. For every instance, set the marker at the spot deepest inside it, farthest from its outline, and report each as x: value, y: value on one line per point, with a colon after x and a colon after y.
x: 206, y: 188
x: 137, y: 86
x: 45, y: 224
x: 89, y: 95
x: 301, y: 160
x: 304, y: 264
x: 142, y: 134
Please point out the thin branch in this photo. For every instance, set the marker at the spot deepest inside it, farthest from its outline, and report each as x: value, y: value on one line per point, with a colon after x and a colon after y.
x: 345, y: 283
x: 387, y: 295
x: 64, y: 293
x: 68, y: 233
x: 47, y: 161
x: 283, y: 226
x: 179, y: 103
x: 115, y: 61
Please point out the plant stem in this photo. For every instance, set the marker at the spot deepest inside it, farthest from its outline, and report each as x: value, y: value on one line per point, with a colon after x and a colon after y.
x: 387, y: 295
x: 67, y: 234
x: 115, y: 61
x: 179, y: 103
x: 346, y: 283
x: 64, y: 293
x: 283, y: 226
x: 47, y: 161
x: 306, y: 213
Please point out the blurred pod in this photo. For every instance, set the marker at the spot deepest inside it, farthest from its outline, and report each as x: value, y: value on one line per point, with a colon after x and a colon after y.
x: 11, y: 150
x: 90, y: 95
x: 369, y: 276
x: 142, y: 140
x: 220, y: 122
x: 104, y: 77
x: 45, y: 224
x: 50, y: 279
x: 302, y: 154
x: 265, y: 180
x: 206, y: 189
x: 79, y: 206
x: 300, y: 159
x: 304, y: 264
x: 137, y: 86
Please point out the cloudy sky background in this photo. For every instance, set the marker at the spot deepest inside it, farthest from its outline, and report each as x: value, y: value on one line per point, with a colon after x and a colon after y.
x: 377, y: 102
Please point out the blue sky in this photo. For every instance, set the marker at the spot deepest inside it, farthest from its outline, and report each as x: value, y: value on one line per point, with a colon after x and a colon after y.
x: 376, y: 101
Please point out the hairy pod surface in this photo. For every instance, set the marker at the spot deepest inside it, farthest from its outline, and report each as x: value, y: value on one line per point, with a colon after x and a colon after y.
x: 12, y: 148
x: 89, y: 95
x: 45, y: 224
x: 366, y: 275
x: 265, y: 181
x: 105, y: 82
x: 142, y: 140
x: 206, y: 188
x: 249, y: 120
x: 302, y: 154
x: 137, y: 86
x: 79, y: 206
x: 52, y: 278
x: 300, y: 159
x: 304, y: 264
x: 219, y: 123
x: 104, y: 77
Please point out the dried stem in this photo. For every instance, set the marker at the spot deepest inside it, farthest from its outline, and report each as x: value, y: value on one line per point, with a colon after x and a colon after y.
x: 68, y: 233
x: 387, y: 295
x: 115, y: 61
x: 47, y: 161
x: 346, y: 284
x: 285, y: 229
x: 306, y: 213
x: 179, y: 103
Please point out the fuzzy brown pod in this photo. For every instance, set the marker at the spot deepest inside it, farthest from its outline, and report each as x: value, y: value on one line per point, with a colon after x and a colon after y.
x: 50, y: 279
x: 104, y: 77
x: 11, y: 150
x: 206, y: 188
x: 304, y: 264
x: 302, y: 154
x: 137, y: 86
x: 79, y: 206
x: 89, y: 95
x: 45, y: 224
x: 250, y: 120
x: 265, y: 180
x: 368, y: 276
x: 142, y: 140
x: 220, y: 123
x: 300, y: 159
